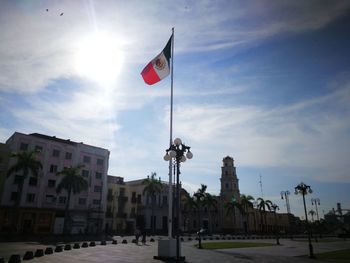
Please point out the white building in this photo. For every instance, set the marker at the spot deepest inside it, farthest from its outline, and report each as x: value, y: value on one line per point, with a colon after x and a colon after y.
x: 41, y: 208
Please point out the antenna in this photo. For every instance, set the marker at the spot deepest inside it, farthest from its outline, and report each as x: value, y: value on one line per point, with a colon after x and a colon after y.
x: 261, y: 187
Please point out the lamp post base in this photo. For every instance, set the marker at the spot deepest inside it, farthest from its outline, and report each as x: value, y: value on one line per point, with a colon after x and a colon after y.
x: 167, y: 250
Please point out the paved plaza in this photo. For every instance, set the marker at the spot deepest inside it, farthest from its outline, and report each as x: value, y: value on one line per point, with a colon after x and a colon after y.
x: 288, y: 251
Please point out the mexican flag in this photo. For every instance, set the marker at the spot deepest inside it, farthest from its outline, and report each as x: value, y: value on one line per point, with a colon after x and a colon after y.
x: 159, y: 67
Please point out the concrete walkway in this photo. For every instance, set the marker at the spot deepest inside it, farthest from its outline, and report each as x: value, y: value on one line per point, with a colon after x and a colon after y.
x: 288, y: 251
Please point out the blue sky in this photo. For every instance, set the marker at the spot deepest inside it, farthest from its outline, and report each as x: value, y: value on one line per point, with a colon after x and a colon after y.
x: 266, y: 82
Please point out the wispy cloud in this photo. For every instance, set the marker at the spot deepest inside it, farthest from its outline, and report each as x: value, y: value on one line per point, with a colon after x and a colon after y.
x: 44, y: 43
x: 299, y: 135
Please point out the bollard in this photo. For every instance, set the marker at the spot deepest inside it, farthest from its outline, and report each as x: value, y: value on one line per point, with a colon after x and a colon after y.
x: 58, y: 249
x: 92, y: 244
x: 67, y: 247
x: 15, y: 259
x: 114, y: 242
x: 85, y: 244
x: 124, y: 241
x: 39, y: 253
x: 76, y: 246
x: 48, y: 251
x: 151, y: 240
x: 28, y: 255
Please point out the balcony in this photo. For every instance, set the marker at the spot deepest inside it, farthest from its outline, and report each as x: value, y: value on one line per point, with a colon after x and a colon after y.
x: 110, y: 198
x: 121, y: 215
x: 133, y: 200
x: 122, y: 199
x: 109, y: 214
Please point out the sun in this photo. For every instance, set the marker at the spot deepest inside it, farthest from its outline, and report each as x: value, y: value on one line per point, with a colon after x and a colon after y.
x: 99, y: 58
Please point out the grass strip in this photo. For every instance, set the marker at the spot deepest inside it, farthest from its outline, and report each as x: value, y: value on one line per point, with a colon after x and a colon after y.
x: 224, y: 245
x: 338, y: 255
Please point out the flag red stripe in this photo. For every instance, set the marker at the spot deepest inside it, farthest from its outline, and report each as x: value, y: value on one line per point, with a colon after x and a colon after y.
x: 149, y: 75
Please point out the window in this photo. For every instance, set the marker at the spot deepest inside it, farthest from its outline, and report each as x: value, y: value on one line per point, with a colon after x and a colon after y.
x: 18, y: 179
x: 53, y: 168
x: 99, y: 161
x: 51, y: 183
x: 23, y: 146
x: 55, y: 153
x: 139, y: 199
x: 97, y: 188
x: 85, y: 173
x: 50, y: 199
x: 165, y: 200
x: 98, y: 175
x: 82, y: 201
x: 30, y: 198
x: 33, y: 181
x: 68, y: 156
x: 14, y: 196
x: 96, y: 201
x: 226, y: 185
x: 86, y: 159
x: 62, y: 199
x: 38, y: 148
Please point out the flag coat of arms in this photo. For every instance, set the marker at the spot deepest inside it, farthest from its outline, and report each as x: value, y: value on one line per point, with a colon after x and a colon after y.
x: 159, y: 67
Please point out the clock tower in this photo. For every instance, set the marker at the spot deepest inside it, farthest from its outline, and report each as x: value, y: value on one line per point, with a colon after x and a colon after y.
x: 229, y: 181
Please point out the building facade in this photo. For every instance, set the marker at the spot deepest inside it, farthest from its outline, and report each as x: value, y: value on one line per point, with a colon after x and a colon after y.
x: 129, y: 206
x: 41, y: 208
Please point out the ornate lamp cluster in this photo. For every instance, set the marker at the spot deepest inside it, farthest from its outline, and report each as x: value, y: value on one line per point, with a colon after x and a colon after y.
x: 177, y: 151
x: 303, y: 189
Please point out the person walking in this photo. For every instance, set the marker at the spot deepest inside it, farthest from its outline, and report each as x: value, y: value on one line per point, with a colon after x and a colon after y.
x: 137, y: 235
x: 143, y: 233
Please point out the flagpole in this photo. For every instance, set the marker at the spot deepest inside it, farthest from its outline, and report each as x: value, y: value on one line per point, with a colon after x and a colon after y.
x: 170, y: 194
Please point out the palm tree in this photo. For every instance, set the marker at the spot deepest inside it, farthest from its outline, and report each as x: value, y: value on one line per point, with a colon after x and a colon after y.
x: 27, y: 163
x: 152, y: 188
x: 210, y: 202
x: 189, y: 205
x: 199, y: 197
x: 74, y: 183
x: 262, y: 205
x: 231, y: 209
x: 247, y: 204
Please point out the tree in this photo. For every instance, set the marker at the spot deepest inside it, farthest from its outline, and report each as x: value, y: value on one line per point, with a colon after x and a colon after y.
x: 74, y: 183
x: 209, y: 202
x: 189, y: 205
x: 27, y: 163
x: 247, y: 204
x: 199, y: 197
x: 262, y: 205
x: 152, y: 188
x: 231, y: 209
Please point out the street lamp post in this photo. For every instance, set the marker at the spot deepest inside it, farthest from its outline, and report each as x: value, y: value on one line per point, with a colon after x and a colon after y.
x: 274, y: 208
x: 305, y: 189
x: 316, y: 201
x: 285, y: 195
x: 177, y: 152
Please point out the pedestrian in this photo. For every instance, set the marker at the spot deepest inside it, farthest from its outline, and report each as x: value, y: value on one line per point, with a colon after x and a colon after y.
x: 137, y: 235
x: 143, y: 232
